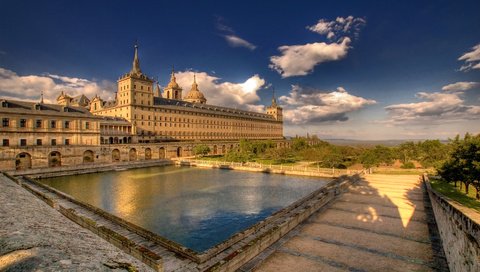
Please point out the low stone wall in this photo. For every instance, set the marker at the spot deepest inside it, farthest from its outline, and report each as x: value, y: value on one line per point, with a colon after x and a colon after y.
x: 272, y: 169
x: 85, y: 169
x: 459, y: 230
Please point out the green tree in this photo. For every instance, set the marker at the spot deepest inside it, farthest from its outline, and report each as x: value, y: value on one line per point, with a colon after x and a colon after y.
x: 376, y: 156
x: 201, y: 150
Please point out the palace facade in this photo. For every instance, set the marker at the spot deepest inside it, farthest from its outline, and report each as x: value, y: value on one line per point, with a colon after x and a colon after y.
x: 172, y: 116
x: 139, y: 114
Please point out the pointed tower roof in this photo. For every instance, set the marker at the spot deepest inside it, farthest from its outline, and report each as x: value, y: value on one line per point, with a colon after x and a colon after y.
x: 136, y: 63
x: 274, y: 100
x: 156, y: 90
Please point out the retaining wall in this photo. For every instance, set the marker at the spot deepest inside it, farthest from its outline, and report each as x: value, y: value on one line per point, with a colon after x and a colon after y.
x: 459, y: 229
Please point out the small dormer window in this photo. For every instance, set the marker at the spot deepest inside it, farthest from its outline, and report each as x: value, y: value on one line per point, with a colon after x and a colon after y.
x: 4, y: 104
x: 37, y: 107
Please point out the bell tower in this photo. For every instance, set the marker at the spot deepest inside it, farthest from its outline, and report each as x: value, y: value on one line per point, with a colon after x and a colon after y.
x: 173, y: 91
x: 275, y: 110
x: 135, y: 88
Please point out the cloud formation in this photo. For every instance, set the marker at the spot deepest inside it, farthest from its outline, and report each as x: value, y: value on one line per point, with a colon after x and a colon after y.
x: 236, y: 41
x: 30, y: 87
x: 472, y: 59
x: 231, y: 37
x: 300, y: 60
x: 339, y: 27
x: 303, y: 106
x: 243, y: 95
x: 436, y: 108
x: 460, y: 86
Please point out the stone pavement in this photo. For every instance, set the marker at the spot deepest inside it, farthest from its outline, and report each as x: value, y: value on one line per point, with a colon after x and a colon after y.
x: 381, y: 224
x: 35, y: 237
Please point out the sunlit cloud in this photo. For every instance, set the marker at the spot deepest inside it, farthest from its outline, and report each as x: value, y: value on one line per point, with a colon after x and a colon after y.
x: 472, y: 59
x: 30, y: 87
x: 435, y: 108
x: 241, y: 95
x: 460, y: 86
x: 301, y: 59
x: 303, y: 106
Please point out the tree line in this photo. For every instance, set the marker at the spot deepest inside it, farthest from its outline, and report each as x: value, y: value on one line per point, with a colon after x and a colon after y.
x: 429, y: 153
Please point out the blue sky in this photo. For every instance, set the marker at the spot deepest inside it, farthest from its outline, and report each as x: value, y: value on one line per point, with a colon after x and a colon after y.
x: 349, y: 69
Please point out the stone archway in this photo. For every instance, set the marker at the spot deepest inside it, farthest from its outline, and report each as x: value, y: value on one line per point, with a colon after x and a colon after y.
x: 115, y: 155
x: 215, y: 150
x: 132, y: 154
x: 88, y: 156
x: 148, y: 154
x: 179, y: 151
x: 161, y: 153
x: 23, y: 161
x: 54, y: 159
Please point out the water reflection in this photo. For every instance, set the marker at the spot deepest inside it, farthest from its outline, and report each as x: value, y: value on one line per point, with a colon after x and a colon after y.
x: 198, y: 208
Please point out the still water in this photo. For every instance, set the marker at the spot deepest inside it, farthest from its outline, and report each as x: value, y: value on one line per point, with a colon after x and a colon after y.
x: 197, y: 208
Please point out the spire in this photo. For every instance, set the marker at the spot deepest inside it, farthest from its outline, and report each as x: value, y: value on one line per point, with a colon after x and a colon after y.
x: 274, y: 100
x: 136, y: 62
x: 41, y: 98
x: 172, y: 76
x: 194, y: 85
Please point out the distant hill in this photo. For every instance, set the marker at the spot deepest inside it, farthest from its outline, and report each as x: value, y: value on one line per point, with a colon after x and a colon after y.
x: 351, y: 142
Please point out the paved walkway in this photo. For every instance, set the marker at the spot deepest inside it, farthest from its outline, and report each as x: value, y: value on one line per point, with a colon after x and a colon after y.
x: 381, y: 224
x: 35, y: 237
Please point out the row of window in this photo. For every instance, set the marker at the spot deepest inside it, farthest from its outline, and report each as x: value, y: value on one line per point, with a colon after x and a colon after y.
x: 202, y: 133
x: 22, y: 123
x: 23, y: 142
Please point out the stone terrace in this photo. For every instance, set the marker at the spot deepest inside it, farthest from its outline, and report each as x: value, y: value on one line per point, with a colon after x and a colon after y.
x: 384, y: 223
x: 35, y: 237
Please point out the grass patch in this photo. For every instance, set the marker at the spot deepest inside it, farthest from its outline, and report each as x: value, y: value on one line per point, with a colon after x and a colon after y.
x: 449, y: 190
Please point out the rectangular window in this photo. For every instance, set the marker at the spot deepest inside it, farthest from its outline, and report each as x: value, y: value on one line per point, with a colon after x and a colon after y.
x: 38, y: 124
x: 87, y: 125
x: 53, y: 124
x: 5, y: 122
x: 23, y: 142
x: 23, y: 123
x: 67, y: 141
x: 67, y: 124
x: 6, y: 142
x: 54, y: 141
x: 39, y: 141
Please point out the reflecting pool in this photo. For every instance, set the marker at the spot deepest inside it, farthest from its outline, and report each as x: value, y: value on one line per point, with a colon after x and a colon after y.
x: 195, y: 207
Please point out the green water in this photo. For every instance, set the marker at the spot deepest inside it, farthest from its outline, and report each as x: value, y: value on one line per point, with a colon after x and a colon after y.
x: 197, y: 208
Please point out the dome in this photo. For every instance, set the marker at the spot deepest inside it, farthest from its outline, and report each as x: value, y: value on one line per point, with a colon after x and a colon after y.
x: 195, y: 95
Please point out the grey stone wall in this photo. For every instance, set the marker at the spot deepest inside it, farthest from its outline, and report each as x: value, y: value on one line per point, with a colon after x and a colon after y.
x: 460, y: 232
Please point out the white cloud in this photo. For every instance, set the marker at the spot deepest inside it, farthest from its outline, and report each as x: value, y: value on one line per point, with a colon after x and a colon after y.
x: 14, y: 86
x: 231, y: 37
x: 460, y: 86
x: 236, y: 41
x: 302, y: 106
x: 339, y: 27
x: 437, y: 108
x: 472, y: 59
x: 299, y: 60
x: 243, y: 95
